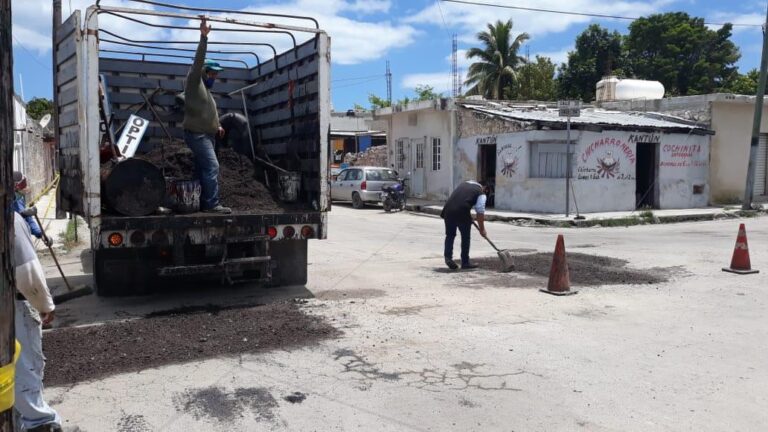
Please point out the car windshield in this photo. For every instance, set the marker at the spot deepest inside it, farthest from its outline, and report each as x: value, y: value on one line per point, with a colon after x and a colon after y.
x: 381, y: 175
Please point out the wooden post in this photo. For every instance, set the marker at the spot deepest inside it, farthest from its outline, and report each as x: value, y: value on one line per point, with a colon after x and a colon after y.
x: 7, y: 336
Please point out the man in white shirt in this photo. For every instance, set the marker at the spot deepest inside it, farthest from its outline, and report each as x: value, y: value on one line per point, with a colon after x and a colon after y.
x: 34, y: 307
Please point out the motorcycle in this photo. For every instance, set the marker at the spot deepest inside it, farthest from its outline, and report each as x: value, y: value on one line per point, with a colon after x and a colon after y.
x: 393, y: 197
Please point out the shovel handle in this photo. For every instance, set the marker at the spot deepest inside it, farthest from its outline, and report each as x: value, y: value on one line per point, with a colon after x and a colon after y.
x: 486, y: 238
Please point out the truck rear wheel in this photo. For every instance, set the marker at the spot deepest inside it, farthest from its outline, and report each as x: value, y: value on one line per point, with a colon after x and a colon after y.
x: 289, y: 259
x: 121, y: 273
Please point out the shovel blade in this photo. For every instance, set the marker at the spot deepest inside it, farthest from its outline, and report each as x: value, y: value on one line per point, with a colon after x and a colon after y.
x: 507, y: 262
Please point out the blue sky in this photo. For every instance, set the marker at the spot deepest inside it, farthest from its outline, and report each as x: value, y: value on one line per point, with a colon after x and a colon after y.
x: 415, y: 36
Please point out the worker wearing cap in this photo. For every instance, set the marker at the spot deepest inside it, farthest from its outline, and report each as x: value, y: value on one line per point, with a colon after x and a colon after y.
x: 457, y: 213
x: 33, y: 308
x: 19, y: 204
x: 201, y: 123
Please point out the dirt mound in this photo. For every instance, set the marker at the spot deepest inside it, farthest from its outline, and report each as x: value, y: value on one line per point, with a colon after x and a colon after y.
x: 584, y: 269
x: 238, y: 187
x: 176, y: 337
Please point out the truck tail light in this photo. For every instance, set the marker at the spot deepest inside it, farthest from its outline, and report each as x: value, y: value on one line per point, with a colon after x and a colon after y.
x: 272, y: 232
x: 363, y: 185
x: 159, y: 238
x: 289, y: 232
x: 307, y: 231
x: 115, y: 239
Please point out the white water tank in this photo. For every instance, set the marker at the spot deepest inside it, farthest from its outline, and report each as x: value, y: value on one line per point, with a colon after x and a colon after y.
x: 606, y: 89
x: 629, y: 89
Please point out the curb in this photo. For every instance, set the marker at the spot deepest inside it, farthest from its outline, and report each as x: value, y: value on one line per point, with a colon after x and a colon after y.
x: 610, y: 222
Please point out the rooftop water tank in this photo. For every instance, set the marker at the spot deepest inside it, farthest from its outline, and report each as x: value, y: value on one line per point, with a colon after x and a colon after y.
x: 606, y: 89
x: 629, y: 89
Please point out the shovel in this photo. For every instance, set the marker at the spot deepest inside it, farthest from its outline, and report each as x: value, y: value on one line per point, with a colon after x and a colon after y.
x: 505, y: 255
x: 71, y: 293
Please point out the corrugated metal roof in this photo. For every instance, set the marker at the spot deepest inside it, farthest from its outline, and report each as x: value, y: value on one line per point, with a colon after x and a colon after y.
x: 590, y: 116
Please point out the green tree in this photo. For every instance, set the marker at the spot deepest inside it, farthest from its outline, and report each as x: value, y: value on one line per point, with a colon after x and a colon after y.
x: 38, y: 107
x: 743, y: 84
x: 425, y: 92
x: 536, y: 81
x: 598, y: 53
x: 377, y: 102
x: 498, y: 61
x: 682, y: 53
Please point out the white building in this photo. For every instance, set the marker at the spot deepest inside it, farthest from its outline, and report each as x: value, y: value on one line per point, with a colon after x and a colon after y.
x: 421, y: 137
x: 620, y: 161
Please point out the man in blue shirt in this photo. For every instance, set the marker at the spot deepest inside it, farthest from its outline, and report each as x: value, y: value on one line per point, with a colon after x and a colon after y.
x: 457, y: 215
x: 20, y: 203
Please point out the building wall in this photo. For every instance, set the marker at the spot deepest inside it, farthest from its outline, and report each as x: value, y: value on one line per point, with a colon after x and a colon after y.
x: 683, y: 164
x: 428, y: 124
x: 732, y: 123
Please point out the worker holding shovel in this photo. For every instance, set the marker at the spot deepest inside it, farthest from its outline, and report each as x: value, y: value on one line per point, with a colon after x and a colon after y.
x: 457, y: 215
x: 34, y: 307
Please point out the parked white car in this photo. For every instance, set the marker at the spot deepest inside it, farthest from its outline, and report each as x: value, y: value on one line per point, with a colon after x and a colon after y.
x: 362, y: 185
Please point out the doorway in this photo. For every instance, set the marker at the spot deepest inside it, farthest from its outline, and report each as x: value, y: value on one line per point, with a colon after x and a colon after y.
x: 418, y: 146
x: 487, y: 171
x: 646, y: 173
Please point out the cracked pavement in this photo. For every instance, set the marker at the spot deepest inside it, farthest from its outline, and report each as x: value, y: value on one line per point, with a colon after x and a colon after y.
x: 423, y: 349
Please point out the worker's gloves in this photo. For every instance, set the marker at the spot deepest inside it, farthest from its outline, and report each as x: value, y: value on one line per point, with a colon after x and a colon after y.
x: 47, y: 240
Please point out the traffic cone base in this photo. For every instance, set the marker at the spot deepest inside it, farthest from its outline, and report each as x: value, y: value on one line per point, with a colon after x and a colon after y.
x: 741, y: 272
x: 559, y: 293
x: 559, y: 283
x: 740, y: 263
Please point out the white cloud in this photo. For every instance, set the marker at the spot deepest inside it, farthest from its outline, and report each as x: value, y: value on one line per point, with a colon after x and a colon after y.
x: 353, y: 40
x: 472, y: 19
x: 557, y: 57
x: 370, y: 6
x: 727, y: 17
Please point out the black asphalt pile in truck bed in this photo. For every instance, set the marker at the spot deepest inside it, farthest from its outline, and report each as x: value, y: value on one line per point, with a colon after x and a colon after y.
x: 237, y: 186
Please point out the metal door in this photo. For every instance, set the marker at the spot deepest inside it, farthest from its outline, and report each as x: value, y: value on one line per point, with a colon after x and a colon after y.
x: 761, y: 166
x: 418, y: 146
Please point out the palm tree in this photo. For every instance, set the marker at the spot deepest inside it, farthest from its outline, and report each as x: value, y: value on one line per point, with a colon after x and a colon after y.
x: 498, y: 61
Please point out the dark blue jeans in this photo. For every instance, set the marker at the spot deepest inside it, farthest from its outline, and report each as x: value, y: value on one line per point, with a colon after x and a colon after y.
x: 206, y: 167
x: 450, y: 234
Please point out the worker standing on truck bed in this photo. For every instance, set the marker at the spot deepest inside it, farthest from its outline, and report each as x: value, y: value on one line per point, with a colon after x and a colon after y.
x: 457, y: 214
x: 201, y: 123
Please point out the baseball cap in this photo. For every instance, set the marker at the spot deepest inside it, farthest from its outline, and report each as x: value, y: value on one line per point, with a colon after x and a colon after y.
x: 212, y: 65
x: 17, y: 176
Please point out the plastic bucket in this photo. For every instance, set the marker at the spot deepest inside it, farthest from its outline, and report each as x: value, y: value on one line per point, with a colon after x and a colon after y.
x: 184, y: 195
x: 289, y: 185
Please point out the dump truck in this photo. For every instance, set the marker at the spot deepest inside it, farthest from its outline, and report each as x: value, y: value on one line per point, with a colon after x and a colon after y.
x: 103, y: 77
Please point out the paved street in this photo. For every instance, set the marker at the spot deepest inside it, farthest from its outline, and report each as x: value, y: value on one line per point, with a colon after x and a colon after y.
x: 423, y: 349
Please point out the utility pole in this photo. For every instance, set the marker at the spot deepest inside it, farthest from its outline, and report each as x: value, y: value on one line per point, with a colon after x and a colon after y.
x: 750, y: 187
x: 389, y: 84
x: 7, y: 303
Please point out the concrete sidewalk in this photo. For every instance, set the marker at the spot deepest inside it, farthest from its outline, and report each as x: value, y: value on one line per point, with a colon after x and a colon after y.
x: 621, y: 218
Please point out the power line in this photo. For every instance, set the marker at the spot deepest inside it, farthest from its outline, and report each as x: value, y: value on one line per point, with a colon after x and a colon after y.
x: 359, y: 83
x: 34, y: 57
x: 593, y: 15
x: 356, y: 78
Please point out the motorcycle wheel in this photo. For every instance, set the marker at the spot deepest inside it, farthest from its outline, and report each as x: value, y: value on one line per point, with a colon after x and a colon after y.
x: 387, y: 205
x: 402, y: 205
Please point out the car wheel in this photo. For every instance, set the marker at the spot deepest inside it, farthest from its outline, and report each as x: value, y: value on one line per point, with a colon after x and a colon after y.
x: 357, y: 202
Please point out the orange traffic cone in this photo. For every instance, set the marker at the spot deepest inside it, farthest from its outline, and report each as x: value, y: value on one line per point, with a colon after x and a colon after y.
x: 559, y: 280
x: 740, y: 262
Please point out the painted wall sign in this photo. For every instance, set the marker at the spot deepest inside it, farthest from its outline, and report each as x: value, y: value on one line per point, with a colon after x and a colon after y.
x: 487, y: 140
x: 603, y: 160
x: 609, y: 144
x: 682, y: 156
x: 508, y: 155
x: 644, y: 138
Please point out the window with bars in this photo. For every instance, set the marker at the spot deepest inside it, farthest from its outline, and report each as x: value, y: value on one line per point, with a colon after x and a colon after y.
x: 420, y: 155
x: 436, y: 154
x: 400, y: 156
x: 548, y: 160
